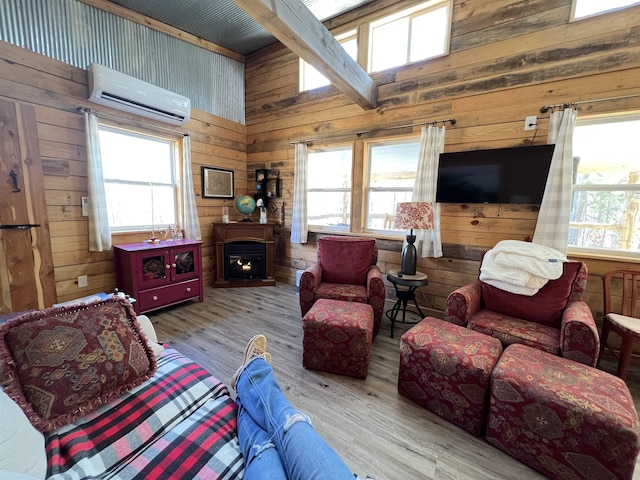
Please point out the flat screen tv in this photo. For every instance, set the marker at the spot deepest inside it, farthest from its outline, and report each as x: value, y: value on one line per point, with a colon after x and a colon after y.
x: 501, y: 175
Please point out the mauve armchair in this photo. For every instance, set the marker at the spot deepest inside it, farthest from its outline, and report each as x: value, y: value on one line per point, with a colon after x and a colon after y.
x: 346, y: 270
x: 555, y: 319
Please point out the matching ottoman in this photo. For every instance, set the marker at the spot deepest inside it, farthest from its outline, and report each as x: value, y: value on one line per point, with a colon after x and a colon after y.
x: 337, y: 336
x: 562, y: 418
x: 447, y: 369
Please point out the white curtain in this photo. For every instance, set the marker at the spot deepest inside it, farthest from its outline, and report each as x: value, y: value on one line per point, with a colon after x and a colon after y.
x: 99, y: 233
x: 552, y: 228
x: 299, y: 217
x: 429, y: 242
x: 190, y: 213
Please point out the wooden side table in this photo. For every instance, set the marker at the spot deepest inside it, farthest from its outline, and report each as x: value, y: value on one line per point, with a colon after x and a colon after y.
x: 404, y: 296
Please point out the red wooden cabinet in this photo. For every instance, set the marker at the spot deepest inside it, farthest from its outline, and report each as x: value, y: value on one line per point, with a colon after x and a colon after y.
x: 160, y: 274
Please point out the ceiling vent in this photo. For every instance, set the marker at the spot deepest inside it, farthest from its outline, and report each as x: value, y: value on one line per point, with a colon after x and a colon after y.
x: 122, y: 92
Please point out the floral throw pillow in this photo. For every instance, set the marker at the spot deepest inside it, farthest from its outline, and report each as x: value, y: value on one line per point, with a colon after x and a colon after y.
x: 63, y: 362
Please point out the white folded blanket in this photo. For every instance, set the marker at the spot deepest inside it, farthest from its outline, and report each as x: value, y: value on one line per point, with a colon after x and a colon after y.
x: 492, y: 270
x: 509, y: 287
x: 521, y: 267
x: 536, y: 259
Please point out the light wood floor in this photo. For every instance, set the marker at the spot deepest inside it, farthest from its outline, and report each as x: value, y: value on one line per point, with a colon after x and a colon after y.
x: 375, y: 430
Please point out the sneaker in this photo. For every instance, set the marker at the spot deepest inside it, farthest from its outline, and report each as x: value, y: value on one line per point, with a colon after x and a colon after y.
x: 234, y: 380
x: 256, y: 346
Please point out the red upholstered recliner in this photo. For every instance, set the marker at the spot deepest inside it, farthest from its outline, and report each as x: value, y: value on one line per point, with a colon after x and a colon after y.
x: 346, y: 270
x: 555, y: 319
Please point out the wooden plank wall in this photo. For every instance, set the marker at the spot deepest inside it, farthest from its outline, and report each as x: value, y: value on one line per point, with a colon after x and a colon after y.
x: 56, y: 90
x: 507, y: 59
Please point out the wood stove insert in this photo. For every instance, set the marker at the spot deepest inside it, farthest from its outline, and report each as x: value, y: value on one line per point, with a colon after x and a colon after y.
x: 244, y: 254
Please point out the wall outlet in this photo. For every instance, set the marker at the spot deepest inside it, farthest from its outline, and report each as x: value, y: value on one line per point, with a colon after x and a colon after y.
x: 85, y: 206
x: 530, y: 123
x: 83, y: 281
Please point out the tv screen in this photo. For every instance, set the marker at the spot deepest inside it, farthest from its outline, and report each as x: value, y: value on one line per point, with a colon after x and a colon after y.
x: 501, y: 175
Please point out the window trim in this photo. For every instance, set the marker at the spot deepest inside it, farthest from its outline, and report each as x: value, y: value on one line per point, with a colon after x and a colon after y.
x: 411, y: 12
x: 574, y: 6
x: 609, y: 254
x: 361, y: 30
x: 317, y: 148
x: 360, y: 185
x: 176, y: 160
x: 366, y: 181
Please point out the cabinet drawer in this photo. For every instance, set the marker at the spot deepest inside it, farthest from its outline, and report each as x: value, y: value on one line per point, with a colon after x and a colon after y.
x: 168, y: 294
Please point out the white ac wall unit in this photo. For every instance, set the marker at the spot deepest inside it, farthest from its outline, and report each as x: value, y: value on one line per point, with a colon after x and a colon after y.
x: 117, y: 90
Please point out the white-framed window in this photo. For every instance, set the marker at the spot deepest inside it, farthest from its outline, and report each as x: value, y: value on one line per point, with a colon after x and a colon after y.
x: 589, y: 8
x: 140, y: 177
x: 311, y: 78
x: 329, y: 188
x: 391, y: 174
x: 414, y: 34
x: 605, y: 213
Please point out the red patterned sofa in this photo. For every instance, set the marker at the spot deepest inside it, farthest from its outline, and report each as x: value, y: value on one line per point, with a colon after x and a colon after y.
x: 88, y: 393
x: 346, y: 270
x: 555, y: 320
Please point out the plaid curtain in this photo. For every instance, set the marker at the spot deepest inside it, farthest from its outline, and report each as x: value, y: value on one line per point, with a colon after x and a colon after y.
x: 191, y: 222
x: 299, y: 217
x: 429, y: 242
x: 99, y: 232
x: 552, y: 228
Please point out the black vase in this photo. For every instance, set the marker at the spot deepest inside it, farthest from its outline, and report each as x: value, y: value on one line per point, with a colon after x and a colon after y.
x: 409, y: 257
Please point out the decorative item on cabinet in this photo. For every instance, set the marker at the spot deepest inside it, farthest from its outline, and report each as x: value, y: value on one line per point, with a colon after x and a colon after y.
x: 160, y: 274
x: 261, y: 198
x: 267, y: 185
x: 261, y: 175
x: 273, y: 188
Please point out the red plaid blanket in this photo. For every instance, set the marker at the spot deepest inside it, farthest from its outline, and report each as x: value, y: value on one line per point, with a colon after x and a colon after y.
x: 181, y: 424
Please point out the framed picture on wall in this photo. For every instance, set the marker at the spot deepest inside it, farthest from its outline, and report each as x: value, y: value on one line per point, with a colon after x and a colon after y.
x: 217, y: 183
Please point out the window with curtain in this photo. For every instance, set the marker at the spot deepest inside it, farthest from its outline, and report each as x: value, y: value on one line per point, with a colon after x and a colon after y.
x: 391, y: 173
x: 140, y: 176
x: 311, y: 78
x: 605, y: 213
x: 329, y: 188
x: 414, y: 34
x: 588, y: 8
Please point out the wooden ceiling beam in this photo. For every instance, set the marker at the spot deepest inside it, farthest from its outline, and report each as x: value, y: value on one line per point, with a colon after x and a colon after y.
x: 291, y: 22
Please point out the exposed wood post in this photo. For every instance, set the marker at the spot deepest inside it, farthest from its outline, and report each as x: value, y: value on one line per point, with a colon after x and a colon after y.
x: 629, y: 216
x: 291, y: 22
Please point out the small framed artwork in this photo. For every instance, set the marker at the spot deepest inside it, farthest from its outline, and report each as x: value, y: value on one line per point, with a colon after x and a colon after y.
x: 273, y: 187
x: 217, y: 183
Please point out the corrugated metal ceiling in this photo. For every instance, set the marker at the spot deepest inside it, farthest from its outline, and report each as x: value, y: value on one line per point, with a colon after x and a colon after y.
x: 223, y: 22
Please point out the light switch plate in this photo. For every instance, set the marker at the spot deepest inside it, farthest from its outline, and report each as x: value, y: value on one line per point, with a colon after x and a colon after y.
x: 85, y: 206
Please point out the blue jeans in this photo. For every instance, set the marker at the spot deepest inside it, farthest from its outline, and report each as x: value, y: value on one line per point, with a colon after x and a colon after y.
x: 278, y: 441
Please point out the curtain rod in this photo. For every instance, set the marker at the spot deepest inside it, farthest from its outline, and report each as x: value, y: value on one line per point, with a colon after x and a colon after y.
x: 434, y: 123
x: 119, y: 119
x: 546, y: 108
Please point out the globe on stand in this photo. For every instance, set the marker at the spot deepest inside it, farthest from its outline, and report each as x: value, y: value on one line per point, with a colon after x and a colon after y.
x: 245, y: 205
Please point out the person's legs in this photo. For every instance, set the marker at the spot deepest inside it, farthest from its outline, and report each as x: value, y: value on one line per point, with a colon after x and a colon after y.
x: 305, y: 455
x: 261, y: 459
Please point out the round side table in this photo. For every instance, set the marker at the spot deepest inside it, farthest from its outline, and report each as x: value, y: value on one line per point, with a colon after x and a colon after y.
x: 404, y: 296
